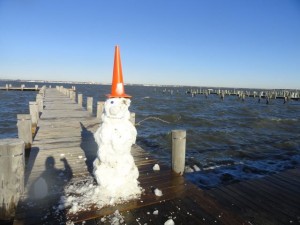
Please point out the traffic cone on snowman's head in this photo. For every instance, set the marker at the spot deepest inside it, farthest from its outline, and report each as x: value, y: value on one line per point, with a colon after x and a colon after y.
x: 117, y: 87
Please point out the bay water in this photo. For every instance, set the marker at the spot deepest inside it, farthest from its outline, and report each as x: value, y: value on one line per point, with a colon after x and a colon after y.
x: 228, y: 140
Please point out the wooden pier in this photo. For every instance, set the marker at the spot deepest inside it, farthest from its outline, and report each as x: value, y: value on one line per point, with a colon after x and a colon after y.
x: 264, y: 94
x: 21, y: 88
x: 62, y: 154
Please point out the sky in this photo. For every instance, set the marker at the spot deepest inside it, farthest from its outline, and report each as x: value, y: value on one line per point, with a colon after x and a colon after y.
x: 220, y: 43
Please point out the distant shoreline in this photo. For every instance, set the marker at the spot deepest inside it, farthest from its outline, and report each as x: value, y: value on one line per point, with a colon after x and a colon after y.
x: 146, y: 85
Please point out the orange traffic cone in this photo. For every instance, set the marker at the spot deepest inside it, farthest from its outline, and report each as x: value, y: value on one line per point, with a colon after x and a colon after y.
x: 117, y: 87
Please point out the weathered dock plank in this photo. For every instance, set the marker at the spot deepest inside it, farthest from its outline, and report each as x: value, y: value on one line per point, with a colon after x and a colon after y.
x: 63, y: 152
x: 270, y: 200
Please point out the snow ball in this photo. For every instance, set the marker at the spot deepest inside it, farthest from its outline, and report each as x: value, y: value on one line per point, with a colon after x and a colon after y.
x: 74, y: 208
x: 69, y: 199
x: 116, y: 218
x: 156, y: 167
x: 155, y: 212
x: 158, y: 192
x: 188, y: 169
x: 169, y: 222
x: 80, y: 157
x: 196, y: 168
x: 62, y: 155
x: 112, y: 201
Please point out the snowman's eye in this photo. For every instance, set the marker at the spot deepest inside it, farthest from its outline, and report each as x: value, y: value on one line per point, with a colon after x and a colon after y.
x: 111, y: 102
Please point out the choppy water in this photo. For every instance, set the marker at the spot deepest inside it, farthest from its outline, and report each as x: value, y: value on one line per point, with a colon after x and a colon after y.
x: 228, y: 140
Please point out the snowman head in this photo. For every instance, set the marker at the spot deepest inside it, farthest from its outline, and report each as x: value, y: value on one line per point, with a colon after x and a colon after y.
x: 117, y: 108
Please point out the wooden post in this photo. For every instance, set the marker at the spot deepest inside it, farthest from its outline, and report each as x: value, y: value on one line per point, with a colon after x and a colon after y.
x: 39, y: 100
x: 25, y: 129
x: 89, y: 104
x: 42, y: 91
x: 12, y: 163
x: 100, y: 106
x: 132, y: 118
x: 73, y: 95
x: 79, y: 98
x: 178, y: 150
x: 34, y: 112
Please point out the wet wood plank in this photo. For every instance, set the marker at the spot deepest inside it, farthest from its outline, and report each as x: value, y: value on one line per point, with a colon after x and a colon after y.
x: 269, y: 200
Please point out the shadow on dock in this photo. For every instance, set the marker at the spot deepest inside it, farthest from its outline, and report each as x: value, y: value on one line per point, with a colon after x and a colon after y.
x: 89, y: 146
x: 52, y: 180
x: 33, y: 152
x: 45, y: 194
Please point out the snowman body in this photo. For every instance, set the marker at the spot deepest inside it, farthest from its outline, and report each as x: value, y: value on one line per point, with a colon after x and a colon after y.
x: 114, y: 167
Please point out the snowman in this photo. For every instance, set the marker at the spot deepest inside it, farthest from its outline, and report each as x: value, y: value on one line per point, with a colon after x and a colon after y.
x: 114, y: 167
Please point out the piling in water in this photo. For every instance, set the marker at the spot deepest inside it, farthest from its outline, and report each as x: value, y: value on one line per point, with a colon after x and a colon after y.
x: 25, y: 129
x: 79, y: 99
x: 178, y: 150
x: 89, y: 104
x: 12, y: 175
x: 100, y: 106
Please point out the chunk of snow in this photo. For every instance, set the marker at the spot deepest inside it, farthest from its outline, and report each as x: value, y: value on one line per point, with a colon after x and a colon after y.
x: 158, y: 192
x: 169, y: 222
x: 188, y: 169
x: 74, y: 208
x: 156, y: 167
x: 196, y: 168
x: 155, y: 212
x: 116, y: 218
